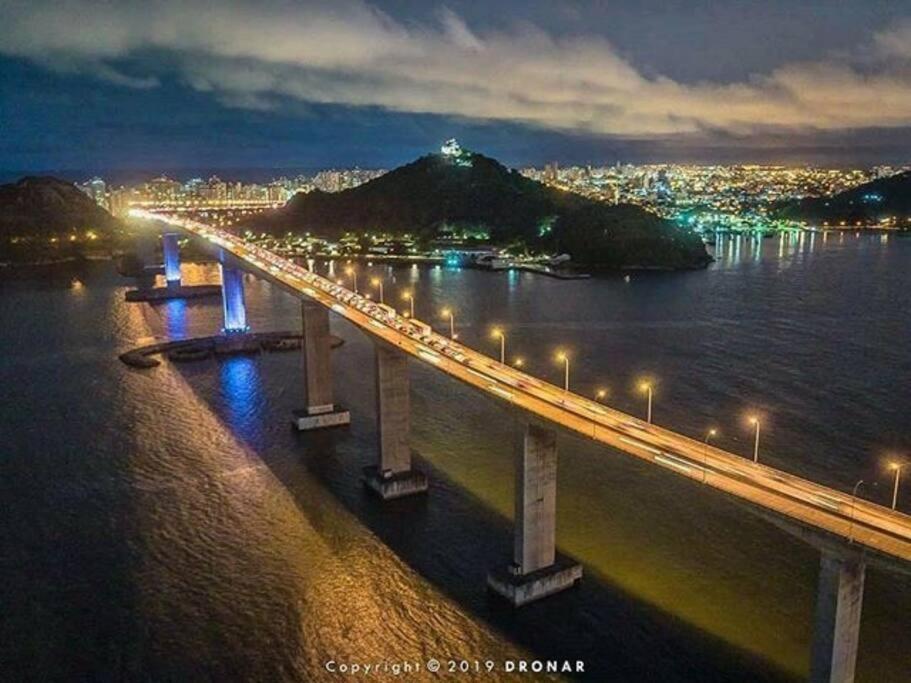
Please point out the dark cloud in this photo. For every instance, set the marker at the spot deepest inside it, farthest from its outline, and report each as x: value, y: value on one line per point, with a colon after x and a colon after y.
x: 566, y: 79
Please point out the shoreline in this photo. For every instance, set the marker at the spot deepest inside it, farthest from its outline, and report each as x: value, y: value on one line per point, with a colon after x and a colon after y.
x: 57, y: 261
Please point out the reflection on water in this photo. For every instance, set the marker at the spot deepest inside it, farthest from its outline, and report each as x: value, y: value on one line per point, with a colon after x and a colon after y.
x: 169, y: 524
x: 242, y: 395
x: 174, y: 315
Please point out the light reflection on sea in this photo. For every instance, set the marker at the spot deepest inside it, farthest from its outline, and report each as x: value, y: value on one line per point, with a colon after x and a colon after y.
x: 168, y: 524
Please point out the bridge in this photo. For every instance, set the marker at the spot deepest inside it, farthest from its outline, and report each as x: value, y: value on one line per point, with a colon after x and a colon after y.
x: 849, y: 532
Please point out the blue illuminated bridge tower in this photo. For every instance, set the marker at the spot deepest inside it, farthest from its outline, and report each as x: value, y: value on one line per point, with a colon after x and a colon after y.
x: 232, y: 295
x: 171, y: 252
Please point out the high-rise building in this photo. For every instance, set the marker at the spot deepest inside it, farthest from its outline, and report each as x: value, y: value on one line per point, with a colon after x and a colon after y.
x: 551, y: 172
x: 119, y: 202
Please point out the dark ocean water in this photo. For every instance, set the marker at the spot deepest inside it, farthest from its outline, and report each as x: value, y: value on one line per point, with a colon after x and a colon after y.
x: 169, y: 525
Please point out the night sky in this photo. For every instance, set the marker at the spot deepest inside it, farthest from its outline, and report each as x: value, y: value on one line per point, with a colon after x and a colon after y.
x: 169, y: 85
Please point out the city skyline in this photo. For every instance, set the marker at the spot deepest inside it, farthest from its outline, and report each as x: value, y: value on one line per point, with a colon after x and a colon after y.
x: 189, y: 85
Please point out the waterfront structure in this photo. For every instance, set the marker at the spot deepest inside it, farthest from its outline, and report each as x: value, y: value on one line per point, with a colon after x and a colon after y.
x: 851, y: 534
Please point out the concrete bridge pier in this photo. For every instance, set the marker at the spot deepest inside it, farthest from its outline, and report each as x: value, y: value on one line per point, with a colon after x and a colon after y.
x: 232, y: 297
x: 171, y: 252
x: 393, y: 477
x: 316, y: 344
x: 536, y: 570
x: 836, y: 627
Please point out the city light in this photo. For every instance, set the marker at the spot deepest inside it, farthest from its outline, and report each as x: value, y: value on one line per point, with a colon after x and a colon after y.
x: 564, y: 358
x: 857, y: 486
x: 754, y: 420
x: 646, y: 387
x: 897, y: 468
x: 709, y: 435
x: 378, y: 283
x: 497, y: 333
x: 449, y: 313
x: 409, y: 297
x: 352, y: 273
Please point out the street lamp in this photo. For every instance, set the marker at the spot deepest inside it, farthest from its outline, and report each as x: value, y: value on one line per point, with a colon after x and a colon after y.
x: 352, y: 273
x: 409, y: 296
x: 853, y: 505
x: 647, y: 388
x: 705, y: 452
x: 897, y: 466
x: 376, y: 282
x: 497, y: 333
x: 519, y: 362
x: 448, y: 313
x: 561, y: 356
x: 755, y: 422
x: 600, y: 394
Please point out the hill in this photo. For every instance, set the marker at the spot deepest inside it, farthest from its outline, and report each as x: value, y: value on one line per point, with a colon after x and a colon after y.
x: 43, y: 218
x: 867, y: 204
x: 441, y: 192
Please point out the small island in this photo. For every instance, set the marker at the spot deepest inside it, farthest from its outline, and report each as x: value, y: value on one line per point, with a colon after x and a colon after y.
x: 47, y: 220
x: 458, y: 197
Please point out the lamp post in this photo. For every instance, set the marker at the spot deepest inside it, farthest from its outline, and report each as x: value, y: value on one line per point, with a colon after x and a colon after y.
x: 376, y: 282
x: 853, y: 505
x: 448, y: 312
x: 562, y: 356
x: 410, y: 298
x: 352, y: 273
x: 497, y: 333
x: 647, y: 388
x: 705, y: 453
x: 898, y: 470
x: 755, y: 422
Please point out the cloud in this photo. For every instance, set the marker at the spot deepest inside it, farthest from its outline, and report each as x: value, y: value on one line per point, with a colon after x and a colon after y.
x: 254, y: 55
x: 895, y: 42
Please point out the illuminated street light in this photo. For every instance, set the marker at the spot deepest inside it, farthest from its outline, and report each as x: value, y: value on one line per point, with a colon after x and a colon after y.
x: 897, y: 466
x: 376, y: 282
x: 853, y: 505
x: 600, y: 394
x: 755, y: 422
x: 448, y: 313
x: 705, y: 454
x: 519, y: 362
x: 647, y: 388
x: 409, y: 296
x: 561, y: 356
x: 497, y: 333
x: 352, y: 273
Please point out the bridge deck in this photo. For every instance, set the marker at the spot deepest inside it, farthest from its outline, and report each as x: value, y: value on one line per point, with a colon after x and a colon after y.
x: 820, y: 507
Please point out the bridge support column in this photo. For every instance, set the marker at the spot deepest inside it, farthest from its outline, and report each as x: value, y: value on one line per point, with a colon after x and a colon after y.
x: 232, y: 298
x: 536, y: 570
x: 393, y: 477
x: 171, y: 251
x: 836, y: 628
x: 317, y: 350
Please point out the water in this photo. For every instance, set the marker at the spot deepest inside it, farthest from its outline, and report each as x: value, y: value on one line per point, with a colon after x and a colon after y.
x: 168, y: 524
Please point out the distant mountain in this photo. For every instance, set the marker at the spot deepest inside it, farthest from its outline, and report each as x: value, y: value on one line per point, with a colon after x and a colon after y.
x: 867, y: 204
x: 43, y: 218
x: 442, y: 192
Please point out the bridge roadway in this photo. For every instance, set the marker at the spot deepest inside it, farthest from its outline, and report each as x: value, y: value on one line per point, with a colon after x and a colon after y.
x: 819, y: 507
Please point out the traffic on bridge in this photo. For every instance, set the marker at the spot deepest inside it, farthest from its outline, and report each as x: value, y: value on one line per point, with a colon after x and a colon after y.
x: 844, y: 515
